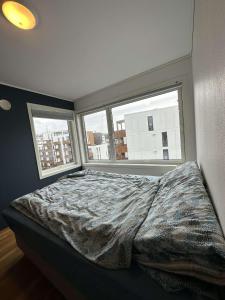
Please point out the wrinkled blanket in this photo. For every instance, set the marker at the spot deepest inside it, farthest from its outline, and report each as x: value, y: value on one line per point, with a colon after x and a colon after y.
x: 180, y: 244
x: 99, y: 214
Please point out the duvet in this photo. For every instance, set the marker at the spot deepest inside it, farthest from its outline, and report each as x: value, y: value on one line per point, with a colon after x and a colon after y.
x: 98, y: 213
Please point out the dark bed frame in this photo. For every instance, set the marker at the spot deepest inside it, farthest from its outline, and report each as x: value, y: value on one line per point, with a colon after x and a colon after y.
x: 73, y: 275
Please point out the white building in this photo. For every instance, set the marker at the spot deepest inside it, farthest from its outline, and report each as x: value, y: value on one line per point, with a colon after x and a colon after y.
x: 153, y: 134
x: 99, y: 151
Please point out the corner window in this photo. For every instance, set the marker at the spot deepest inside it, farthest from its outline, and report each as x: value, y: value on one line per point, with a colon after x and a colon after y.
x: 53, y: 138
x: 137, y: 130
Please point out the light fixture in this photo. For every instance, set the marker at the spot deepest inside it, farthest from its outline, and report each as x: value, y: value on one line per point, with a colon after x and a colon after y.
x: 5, y: 104
x: 19, y: 15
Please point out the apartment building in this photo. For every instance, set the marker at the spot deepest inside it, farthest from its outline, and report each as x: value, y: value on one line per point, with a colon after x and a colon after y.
x: 153, y: 134
x: 55, y: 149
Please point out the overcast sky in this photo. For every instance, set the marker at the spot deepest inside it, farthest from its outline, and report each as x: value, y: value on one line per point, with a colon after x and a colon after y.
x: 97, y: 121
x: 49, y: 125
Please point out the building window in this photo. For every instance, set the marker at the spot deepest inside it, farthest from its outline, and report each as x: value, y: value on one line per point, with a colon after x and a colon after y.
x: 97, y: 137
x: 164, y: 139
x: 165, y: 154
x: 122, y: 129
x: 50, y: 129
x: 150, y: 123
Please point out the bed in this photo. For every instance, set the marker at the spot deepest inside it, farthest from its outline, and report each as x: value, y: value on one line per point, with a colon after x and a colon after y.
x: 71, y: 272
x: 101, y: 244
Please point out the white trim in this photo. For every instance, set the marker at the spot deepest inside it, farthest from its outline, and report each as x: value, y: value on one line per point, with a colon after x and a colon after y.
x: 138, y: 169
x: 114, y: 85
x: 75, y: 146
x: 58, y: 170
x: 48, y: 108
x: 108, y: 109
x: 133, y: 78
x: 154, y: 162
x: 109, y: 119
x: 81, y: 141
x: 131, y: 164
x: 36, y: 92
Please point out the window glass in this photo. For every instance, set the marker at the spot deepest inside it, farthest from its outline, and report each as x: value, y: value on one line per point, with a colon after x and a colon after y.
x: 97, y: 136
x: 142, y: 128
x: 165, y: 154
x: 164, y: 139
x: 54, y: 142
x: 150, y: 123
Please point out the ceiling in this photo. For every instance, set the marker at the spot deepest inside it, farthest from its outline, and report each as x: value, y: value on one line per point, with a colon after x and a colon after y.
x: 81, y: 46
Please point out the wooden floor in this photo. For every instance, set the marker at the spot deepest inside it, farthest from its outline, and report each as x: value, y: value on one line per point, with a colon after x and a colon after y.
x: 19, y: 278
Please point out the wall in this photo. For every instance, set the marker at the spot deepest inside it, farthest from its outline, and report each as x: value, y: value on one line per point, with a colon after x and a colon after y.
x: 209, y: 90
x: 18, y: 168
x: 145, y: 144
x: 176, y: 71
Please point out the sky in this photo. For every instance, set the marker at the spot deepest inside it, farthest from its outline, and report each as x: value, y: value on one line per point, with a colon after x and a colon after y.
x: 97, y: 121
x: 49, y: 125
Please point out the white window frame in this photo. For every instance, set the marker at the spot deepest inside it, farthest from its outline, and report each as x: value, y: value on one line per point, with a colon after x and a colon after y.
x: 74, y: 140
x: 108, y: 108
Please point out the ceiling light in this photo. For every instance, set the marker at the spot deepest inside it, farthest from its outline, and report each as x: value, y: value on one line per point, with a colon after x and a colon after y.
x: 19, y: 15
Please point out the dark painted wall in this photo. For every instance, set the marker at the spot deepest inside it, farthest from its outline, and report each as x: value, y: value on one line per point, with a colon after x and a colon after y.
x: 18, y: 168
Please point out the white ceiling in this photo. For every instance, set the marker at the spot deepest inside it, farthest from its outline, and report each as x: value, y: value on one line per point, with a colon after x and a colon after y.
x: 81, y: 46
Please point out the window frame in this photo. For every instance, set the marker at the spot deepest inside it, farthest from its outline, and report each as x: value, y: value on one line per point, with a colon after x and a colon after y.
x: 108, y: 108
x: 73, y: 135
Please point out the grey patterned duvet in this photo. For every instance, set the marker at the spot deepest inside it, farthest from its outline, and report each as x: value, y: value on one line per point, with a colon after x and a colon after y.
x: 181, y: 234
x: 169, y: 222
x: 99, y: 213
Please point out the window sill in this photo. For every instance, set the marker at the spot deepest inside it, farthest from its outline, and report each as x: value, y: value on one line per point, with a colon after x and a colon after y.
x: 57, y: 170
x: 141, y: 165
x: 149, y: 169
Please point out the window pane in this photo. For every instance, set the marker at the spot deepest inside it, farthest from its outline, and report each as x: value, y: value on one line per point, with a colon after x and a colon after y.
x: 54, y: 142
x: 142, y: 128
x: 164, y: 139
x: 97, y: 135
x: 165, y: 154
x: 150, y: 123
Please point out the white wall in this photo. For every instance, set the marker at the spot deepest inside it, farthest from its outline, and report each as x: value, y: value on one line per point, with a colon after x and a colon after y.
x: 145, y: 144
x: 176, y: 71
x: 209, y: 88
x: 100, y: 151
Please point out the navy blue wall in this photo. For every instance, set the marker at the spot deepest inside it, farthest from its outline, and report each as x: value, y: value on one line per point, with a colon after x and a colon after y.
x: 18, y: 168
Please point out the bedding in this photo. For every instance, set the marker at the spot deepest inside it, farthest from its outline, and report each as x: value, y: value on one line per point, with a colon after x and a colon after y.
x: 167, y: 224
x: 98, y: 213
x: 92, y: 281
x: 181, y: 234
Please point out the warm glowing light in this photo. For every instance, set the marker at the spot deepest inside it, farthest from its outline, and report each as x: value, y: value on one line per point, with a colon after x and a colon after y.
x: 18, y: 15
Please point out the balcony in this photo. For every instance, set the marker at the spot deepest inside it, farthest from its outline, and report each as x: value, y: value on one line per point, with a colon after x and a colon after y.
x: 119, y: 134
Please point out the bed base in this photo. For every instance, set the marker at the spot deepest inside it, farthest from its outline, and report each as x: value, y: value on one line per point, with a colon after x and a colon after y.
x: 73, y: 275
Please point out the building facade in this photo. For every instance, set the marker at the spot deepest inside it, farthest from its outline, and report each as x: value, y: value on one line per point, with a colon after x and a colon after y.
x: 153, y: 134
x: 148, y: 135
x: 98, y: 145
x: 55, y: 149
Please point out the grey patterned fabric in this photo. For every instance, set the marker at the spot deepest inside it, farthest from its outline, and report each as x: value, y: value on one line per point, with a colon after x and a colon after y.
x: 99, y: 214
x: 175, y: 283
x: 181, y: 233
